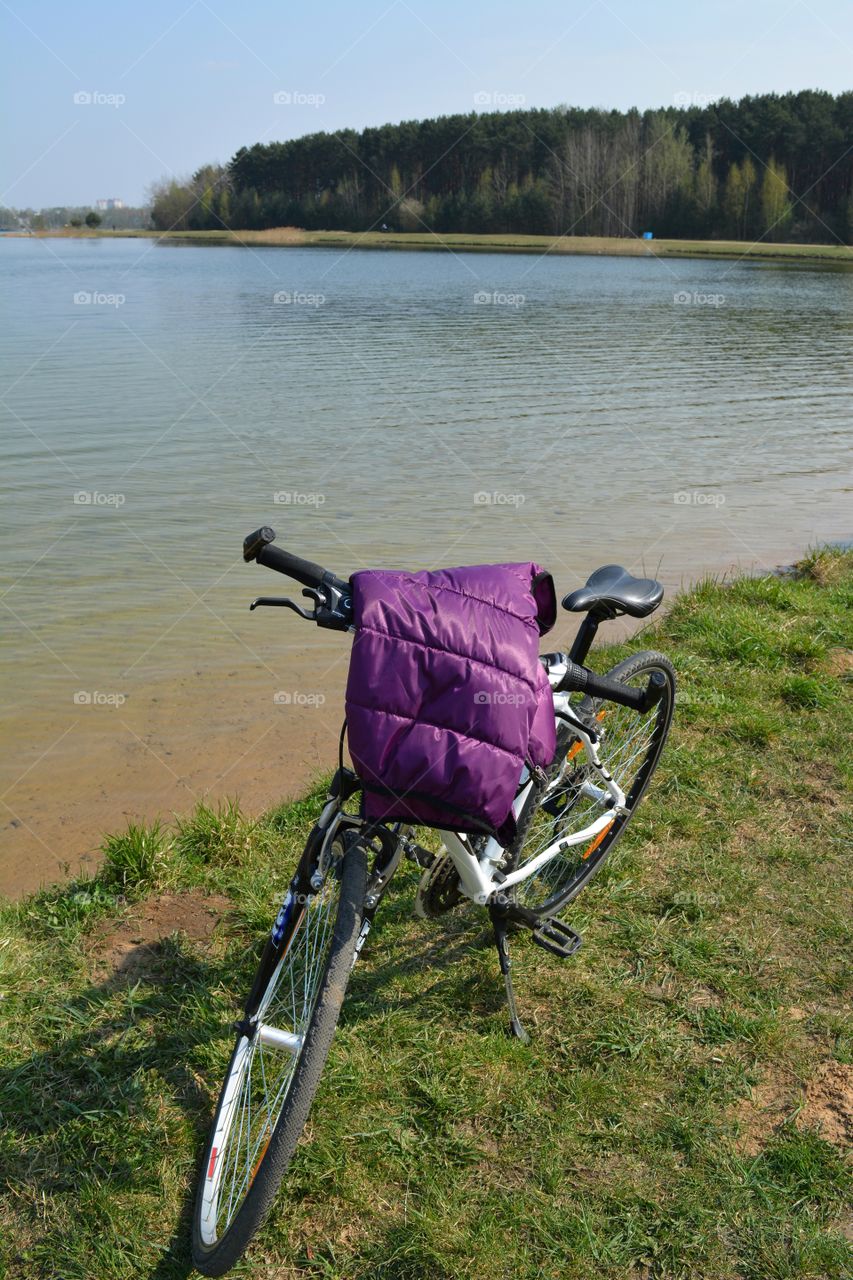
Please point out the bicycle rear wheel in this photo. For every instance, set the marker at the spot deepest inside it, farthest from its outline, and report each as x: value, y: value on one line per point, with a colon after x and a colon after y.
x: 274, y: 1071
x: 630, y: 748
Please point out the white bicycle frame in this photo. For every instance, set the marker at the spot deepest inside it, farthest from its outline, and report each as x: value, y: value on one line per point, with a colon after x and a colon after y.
x: 479, y: 875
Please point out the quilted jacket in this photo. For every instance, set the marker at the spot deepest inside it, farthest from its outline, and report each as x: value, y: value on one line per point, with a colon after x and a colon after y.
x: 446, y: 698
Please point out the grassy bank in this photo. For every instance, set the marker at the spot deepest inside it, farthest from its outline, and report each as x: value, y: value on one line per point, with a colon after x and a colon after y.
x: 603, y: 245
x: 683, y: 1106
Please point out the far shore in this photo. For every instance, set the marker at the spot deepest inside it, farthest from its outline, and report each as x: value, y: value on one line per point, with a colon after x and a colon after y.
x: 607, y: 246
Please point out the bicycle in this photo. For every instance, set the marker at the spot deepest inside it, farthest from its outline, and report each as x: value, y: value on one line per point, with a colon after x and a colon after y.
x: 611, y: 731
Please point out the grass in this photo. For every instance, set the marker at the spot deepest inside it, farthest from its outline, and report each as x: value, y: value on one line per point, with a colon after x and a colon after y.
x: 619, y: 246
x: 664, y: 1121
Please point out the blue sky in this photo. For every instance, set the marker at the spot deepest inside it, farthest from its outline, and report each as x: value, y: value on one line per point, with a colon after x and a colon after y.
x: 174, y: 84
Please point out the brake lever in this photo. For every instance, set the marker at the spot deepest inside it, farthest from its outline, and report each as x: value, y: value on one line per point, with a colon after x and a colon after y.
x: 284, y: 602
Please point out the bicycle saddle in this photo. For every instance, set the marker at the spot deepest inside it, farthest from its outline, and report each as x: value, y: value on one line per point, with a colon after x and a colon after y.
x: 613, y: 590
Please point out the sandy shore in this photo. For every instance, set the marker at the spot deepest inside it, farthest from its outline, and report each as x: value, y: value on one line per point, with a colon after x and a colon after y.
x: 294, y: 237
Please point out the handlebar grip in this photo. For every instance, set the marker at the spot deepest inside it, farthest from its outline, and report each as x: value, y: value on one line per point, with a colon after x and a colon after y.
x: 304, y: 571
x: 581, y: 680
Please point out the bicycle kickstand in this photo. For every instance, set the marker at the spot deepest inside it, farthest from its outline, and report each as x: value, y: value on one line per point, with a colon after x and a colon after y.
x: 499, y: 922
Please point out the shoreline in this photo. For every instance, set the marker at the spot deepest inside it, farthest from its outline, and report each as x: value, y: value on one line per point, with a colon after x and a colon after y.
x: 601, y: 246
x: 163, y: 756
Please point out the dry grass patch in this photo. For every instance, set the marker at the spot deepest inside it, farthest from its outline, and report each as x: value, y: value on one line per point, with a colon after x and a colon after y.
x: 828, y: 1105
x: 132, y: 948
x: 770, y: 1103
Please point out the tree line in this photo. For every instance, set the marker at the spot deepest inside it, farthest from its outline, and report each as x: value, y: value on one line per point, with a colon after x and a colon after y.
x: 776, y: 167
x: 73, y: 216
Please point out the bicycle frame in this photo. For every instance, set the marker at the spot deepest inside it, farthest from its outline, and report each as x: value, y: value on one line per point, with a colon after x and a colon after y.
x: 478, y: 874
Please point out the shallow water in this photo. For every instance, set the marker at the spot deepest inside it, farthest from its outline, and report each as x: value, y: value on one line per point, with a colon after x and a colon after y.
x: 407, y: 409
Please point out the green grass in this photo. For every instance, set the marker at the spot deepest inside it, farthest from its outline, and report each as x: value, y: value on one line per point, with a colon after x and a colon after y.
x: 659, y: 1123
x: 619, y: 246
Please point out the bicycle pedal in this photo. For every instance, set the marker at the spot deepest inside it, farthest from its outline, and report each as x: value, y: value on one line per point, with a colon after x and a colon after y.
x: 554, y: 936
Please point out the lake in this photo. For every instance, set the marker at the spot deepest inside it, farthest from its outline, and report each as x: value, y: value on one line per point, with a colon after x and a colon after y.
x: 377, y: 408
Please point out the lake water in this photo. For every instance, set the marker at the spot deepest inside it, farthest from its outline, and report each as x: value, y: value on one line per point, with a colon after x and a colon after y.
x: 401, y: 409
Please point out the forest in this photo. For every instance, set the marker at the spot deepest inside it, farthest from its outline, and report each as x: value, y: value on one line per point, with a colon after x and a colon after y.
x: 776, y: 167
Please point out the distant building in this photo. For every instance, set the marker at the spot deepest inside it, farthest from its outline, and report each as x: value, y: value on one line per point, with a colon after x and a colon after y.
x: 112, y: 202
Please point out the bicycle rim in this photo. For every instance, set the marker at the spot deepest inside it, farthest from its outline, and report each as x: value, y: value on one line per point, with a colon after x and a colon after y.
x: 630, y: 748
x: 263, y: 1068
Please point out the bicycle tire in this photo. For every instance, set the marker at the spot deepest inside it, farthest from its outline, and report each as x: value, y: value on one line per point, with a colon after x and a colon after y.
x: 634, y: 669
x: 215, y: 1257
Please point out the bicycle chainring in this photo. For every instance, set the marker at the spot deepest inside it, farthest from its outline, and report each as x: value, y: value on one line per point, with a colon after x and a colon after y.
x: 439, y: 889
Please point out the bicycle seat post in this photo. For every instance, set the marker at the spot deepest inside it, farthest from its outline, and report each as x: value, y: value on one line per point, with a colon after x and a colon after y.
x: 582, y: 642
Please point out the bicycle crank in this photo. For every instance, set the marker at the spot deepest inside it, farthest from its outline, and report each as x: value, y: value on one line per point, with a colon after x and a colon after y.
x: 439, y: 889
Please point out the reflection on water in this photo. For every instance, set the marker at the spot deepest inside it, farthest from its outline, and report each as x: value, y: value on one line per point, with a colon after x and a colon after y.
x: 408, y: 409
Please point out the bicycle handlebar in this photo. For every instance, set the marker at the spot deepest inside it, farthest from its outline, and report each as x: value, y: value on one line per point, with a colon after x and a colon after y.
x: 332, y: 596
x: 259, y: 546
x: 304, y: 571
x: 333, y: 599
x: 581, y: 680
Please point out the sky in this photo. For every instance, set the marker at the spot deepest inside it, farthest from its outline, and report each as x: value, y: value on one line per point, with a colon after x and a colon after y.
x: 102, y: 99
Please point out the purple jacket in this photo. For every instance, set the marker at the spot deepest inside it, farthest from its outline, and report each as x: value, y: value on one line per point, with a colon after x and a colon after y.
x: 446, y: 698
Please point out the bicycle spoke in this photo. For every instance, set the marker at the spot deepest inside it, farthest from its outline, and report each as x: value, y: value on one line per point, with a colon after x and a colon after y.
x: 626, y: 741
x: 264, y: 1077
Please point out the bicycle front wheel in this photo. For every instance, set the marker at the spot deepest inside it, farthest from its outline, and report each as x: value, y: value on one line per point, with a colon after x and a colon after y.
x: 274, y: 1071
x: 630, y: 747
